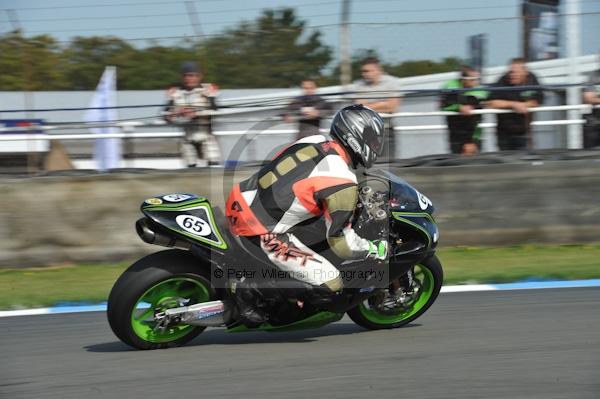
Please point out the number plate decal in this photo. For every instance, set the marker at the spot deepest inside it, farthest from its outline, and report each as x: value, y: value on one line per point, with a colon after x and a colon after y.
x: 194, y: 225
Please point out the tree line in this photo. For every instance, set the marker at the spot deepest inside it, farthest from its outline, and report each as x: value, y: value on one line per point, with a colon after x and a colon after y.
x: 275, y: 50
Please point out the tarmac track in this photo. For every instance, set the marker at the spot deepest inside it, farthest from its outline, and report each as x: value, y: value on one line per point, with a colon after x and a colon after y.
x: 507, y: 344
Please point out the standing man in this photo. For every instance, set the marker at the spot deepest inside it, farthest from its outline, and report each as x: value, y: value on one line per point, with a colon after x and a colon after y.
x: 463, y: 95
x: 513, y: 130
x: 591, y: 128
x: 186, y: 108
x: 308, y: 109
x: 376, y: 83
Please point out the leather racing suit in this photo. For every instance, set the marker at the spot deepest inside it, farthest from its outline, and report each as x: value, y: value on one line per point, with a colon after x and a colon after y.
x: 198, y: 143
x: 309, y: 179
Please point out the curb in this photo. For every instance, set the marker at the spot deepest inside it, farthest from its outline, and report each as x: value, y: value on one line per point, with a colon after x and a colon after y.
x: 55, y: 310
x: 446, y: 289
x: 530, y: 285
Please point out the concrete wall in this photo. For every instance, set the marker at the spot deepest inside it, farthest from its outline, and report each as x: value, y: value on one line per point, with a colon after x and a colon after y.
x: 57, y: 219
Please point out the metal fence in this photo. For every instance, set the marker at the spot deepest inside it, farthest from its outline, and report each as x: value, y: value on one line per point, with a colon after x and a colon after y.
x: 419, y: 128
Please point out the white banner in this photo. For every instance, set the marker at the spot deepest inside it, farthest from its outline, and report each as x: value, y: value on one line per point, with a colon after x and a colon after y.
x: 107, y: 152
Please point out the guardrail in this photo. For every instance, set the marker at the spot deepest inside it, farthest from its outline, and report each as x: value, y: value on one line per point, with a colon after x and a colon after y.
x: 128, y: 127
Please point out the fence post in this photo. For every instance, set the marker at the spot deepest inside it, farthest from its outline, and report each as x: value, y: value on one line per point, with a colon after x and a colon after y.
x: 573, y: 44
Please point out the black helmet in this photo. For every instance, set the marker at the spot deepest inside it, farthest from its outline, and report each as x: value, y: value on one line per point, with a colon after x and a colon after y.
x: 360, y: 131
x: 190, y: 67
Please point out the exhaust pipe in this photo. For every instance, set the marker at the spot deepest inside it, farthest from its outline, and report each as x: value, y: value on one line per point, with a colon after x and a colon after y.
x: 151, y: 235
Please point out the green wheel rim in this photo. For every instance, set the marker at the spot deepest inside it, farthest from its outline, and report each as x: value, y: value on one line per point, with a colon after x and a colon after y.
x: 425, y: 277
x: 166, y: 294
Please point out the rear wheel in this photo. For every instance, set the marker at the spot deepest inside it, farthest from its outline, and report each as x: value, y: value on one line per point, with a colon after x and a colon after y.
x: 404, y: 300
x: 157, y: 282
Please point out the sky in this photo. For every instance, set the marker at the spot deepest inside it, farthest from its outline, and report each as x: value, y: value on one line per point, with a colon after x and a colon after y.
x: 410, y: 30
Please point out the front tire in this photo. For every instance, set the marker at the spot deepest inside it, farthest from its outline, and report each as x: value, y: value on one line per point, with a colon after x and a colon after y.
x: 428, y: 277
x: 154, y: 283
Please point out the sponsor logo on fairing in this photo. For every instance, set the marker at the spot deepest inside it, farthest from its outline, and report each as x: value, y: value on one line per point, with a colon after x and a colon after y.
x: 176, y: 197
x: 424, y: 202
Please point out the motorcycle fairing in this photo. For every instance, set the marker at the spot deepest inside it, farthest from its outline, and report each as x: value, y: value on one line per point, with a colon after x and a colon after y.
x: 402, y: 195
x: 314, y: 321
x: 188, y: 215
x: 421, y: 221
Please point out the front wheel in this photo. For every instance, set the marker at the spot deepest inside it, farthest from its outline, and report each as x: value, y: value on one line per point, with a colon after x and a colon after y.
x: 404, y: 300
x: 153, y: 284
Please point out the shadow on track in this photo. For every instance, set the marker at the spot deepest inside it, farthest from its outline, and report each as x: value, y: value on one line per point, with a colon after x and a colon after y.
x: 222, y: 337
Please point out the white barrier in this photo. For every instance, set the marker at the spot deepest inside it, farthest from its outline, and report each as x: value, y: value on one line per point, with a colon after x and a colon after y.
x: 128, y: 127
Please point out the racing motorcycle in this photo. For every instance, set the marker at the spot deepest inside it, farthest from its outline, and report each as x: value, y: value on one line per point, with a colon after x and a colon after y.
x: 167, y: 298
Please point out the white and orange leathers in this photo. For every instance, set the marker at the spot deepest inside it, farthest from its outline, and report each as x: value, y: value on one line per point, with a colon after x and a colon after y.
x: 184, y: 107
x: 309, y: 179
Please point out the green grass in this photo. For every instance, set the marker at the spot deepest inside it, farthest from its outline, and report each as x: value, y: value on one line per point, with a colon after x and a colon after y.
x: 466, y: 265
x: 38, y: 287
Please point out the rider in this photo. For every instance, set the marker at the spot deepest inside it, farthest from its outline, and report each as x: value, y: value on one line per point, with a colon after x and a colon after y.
x: 312, y: 177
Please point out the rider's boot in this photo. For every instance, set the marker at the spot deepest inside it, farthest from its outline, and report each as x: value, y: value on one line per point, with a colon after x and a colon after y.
x: 248, y: 300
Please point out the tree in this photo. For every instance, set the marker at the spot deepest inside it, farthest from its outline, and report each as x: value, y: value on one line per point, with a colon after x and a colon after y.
x: 85, y: 58
x: 424, y: 67
x: 274, y: 51
x: 401, y: 70
x: 155, y: 67
x: 30, y: 63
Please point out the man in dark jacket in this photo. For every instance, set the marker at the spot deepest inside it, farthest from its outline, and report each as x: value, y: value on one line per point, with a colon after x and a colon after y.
x: 513, y: 130
x: 463, y: 95
x: 308, y: 109
x: 591, y: 128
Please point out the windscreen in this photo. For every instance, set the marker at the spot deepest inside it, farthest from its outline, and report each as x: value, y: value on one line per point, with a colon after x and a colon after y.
x: 402, y: 196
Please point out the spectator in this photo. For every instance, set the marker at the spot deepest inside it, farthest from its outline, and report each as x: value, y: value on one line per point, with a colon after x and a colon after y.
x: 186, y: 108
x: 591, y: 128
x: 308, y: 109
x: 513, y: 130
x: 462, y: 95
x: 377, y: 83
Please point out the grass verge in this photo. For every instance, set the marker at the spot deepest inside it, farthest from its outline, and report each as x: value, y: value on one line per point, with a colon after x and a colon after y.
x: 469, y: 265
x: 38, y: 287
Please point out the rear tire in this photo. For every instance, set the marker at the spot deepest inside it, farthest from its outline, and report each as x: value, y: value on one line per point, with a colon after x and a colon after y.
x: 158, y: 281
x: 429, y: 275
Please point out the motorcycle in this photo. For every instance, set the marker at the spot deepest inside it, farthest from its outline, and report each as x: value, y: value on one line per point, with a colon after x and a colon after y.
x: 168, y: 298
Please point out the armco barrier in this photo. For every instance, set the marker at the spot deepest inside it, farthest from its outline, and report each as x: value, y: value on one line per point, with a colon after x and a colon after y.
x: 58, y: 219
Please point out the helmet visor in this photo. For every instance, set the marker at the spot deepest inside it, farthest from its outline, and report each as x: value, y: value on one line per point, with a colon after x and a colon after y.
x: 374, y: 139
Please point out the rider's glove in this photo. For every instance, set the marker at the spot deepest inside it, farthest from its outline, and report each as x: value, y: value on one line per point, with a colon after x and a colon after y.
x: 378, y: 249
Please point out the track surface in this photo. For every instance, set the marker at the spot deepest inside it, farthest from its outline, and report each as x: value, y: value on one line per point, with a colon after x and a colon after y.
x: 511, y: 344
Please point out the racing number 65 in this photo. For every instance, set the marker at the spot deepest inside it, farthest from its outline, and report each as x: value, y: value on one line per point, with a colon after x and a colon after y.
x: 194, y: 225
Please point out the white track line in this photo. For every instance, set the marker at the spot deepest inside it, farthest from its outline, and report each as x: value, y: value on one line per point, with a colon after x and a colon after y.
x: 445, y: 289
